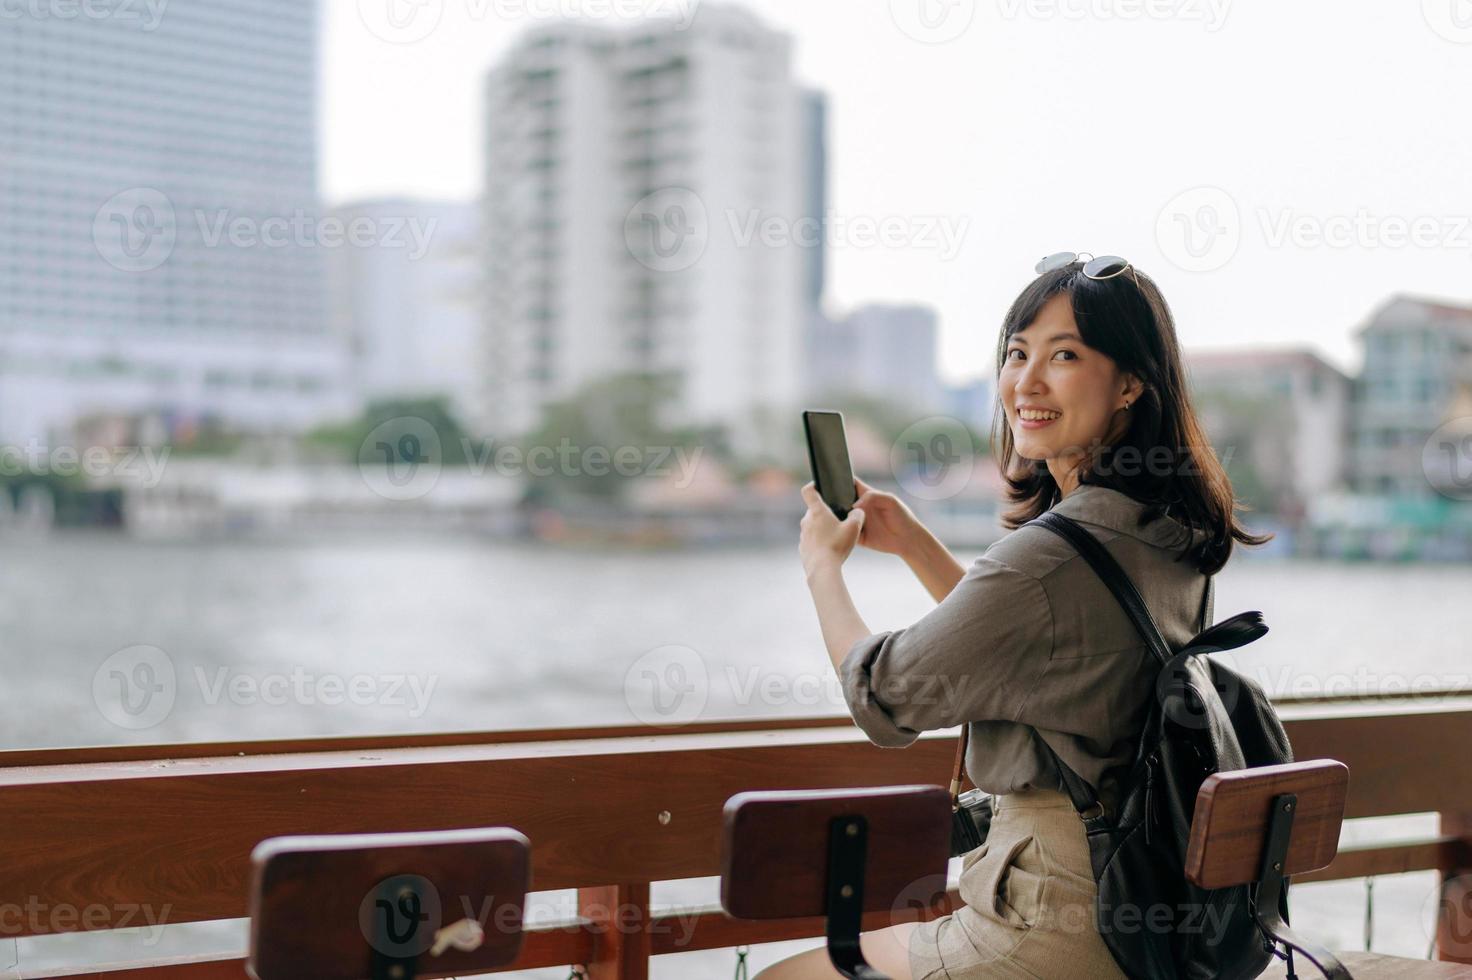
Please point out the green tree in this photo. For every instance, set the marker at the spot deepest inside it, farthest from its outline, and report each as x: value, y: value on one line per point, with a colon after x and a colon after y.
x: 631, y: 409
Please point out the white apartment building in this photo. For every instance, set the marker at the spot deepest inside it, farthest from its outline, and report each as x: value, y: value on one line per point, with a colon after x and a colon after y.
x: 1286, y: 411
x: 628, y: 173
x: 1417, y: 376
x: 128, y: 145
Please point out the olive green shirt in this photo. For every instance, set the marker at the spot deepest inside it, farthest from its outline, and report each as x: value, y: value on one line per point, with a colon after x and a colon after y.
x: 1031, y: 647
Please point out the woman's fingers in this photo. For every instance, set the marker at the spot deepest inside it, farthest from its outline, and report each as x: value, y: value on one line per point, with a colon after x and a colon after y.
x: 813, y: 499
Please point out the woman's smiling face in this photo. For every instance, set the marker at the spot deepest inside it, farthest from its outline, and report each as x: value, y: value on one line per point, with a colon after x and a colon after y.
x: 1061, y: 396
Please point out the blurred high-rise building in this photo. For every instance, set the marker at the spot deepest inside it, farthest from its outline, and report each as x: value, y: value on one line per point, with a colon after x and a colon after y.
x: 1417, y: 376
x: 407, y: 308
x: 883, y: 351
x: 646, y: 209
x: 159, y: 180
x: 815, y: 187
x: 973, y: 402
x: 1279, y: 419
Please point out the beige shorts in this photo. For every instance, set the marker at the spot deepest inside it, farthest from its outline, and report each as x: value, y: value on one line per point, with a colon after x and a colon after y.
x: 1029, y: 902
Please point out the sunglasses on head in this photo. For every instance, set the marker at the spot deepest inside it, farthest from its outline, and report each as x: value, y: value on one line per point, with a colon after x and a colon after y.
x: 1103, y: 267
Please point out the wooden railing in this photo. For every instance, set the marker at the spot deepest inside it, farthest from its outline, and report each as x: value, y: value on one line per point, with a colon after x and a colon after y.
x: 93, y: 836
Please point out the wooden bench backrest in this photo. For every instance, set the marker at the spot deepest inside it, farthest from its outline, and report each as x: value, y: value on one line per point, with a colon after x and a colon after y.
x: 775, y: 848
x: 316, y: 901
x: 1229, y: 828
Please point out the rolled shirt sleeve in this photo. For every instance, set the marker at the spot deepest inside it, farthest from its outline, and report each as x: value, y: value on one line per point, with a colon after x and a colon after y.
x: 974, y: 657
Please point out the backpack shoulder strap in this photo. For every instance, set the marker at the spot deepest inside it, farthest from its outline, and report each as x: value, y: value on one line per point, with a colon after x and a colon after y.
x: 1085, y: 798
x: 1113, y: 576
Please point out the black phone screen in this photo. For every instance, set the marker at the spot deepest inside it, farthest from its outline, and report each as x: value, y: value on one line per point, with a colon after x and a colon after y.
x: 828, y: 454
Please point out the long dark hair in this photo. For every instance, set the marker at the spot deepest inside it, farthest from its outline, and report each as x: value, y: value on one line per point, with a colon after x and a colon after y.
x: 1126, y: 318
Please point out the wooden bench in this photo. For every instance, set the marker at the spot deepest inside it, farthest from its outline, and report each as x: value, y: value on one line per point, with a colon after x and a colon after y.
x: 887, y: 849
x: 387, y: 906
x: 1264, y: 825
x: 149, y: 834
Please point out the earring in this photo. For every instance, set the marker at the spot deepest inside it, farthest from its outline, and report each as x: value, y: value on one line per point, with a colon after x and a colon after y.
x: 1126, y: 406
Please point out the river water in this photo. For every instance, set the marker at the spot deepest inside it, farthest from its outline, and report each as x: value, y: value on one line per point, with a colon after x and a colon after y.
x: 107, y: 640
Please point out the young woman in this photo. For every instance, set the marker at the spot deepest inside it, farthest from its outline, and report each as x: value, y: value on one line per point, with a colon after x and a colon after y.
x: 1027, y: 646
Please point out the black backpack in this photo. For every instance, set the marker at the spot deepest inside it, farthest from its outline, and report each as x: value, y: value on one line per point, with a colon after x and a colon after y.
x: 1206, y: 718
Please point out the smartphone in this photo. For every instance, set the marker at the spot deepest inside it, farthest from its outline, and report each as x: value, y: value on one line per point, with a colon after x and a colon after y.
x: 828, y: 455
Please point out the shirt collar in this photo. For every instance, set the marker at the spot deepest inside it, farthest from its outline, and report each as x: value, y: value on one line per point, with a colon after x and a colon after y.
x: 1118, y: 511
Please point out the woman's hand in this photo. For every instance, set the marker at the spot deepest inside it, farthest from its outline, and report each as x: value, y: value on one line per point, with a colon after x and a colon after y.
x: 889, y: 525
x: 825, y: 539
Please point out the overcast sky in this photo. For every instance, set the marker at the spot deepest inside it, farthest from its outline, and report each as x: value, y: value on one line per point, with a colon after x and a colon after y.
x: 1280, y: 168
